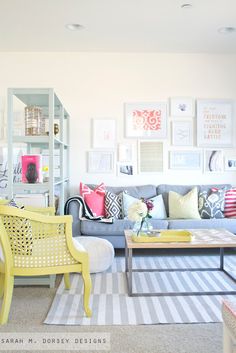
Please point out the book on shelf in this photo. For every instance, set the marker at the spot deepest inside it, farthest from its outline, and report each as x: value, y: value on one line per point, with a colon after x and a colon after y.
x: 32, y: 168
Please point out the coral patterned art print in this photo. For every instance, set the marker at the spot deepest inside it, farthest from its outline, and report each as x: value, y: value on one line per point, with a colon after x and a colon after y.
x: 146, y: 120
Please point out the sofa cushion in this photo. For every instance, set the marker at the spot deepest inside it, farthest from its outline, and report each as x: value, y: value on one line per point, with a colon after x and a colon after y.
x: 211, y: 204
x: 184, y: 206
x: 158, y: 211
x: 116, y: 228
x: 94, y: 198
x: 164, y: 189
x: 146, y: 191
x: 113, y: 205
x: 225, y: 223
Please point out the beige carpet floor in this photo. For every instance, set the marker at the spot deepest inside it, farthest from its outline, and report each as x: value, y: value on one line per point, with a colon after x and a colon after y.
x: 30, y: 306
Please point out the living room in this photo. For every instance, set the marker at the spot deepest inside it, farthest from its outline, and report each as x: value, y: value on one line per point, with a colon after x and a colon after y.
x: 125, y: 54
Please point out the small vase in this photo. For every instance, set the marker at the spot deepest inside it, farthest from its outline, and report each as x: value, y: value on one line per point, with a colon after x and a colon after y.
x: 142, y: 228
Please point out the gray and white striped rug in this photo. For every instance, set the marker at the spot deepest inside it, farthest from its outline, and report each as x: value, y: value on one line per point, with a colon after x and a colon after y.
x: 111, y: 304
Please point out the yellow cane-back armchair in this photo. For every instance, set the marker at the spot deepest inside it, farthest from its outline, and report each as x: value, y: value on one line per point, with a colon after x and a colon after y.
x: 34, y: 245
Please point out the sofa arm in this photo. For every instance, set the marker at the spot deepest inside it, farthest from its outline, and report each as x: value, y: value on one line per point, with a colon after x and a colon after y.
x: 73, y: 209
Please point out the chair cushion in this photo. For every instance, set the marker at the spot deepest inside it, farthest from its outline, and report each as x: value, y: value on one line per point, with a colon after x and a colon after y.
x: 100, y: 251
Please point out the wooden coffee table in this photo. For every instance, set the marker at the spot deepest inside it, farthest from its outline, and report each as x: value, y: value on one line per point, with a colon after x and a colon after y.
x: 202, y: 238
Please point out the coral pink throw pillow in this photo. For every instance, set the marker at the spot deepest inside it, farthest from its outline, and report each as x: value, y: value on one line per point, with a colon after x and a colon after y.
x: 94, y: 199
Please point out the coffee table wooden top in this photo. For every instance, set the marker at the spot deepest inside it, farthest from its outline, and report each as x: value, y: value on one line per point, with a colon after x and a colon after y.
x: 201, y: 238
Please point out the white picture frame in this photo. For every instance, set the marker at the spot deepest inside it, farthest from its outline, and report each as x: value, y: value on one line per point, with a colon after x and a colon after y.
x: 215, y: 123
x: 187, y: 160
x: 100, y: 162
x: 125, y: 152
x: 182, y: 133
x: 125, y: 169
x: 213, y: 161
x: 230, y: 164
x: 182, y: 107
x: 104, y: 133
x: 150, y: 156
x: 146, y: 120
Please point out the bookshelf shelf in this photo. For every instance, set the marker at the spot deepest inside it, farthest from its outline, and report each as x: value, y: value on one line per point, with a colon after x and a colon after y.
x: 54, y: 112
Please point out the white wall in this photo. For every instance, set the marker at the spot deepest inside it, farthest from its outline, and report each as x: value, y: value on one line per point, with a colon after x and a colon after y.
x: 95, y: 85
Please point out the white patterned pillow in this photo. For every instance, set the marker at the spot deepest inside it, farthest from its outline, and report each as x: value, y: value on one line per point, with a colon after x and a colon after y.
x: 211, y: 205
x: 113, y: 205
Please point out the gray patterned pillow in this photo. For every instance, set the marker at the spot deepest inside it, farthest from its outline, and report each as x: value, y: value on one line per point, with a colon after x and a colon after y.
x: 211, y: 204
x: 113, y: 205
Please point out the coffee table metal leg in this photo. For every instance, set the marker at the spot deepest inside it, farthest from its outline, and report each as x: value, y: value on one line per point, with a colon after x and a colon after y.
x: 221, y: 259
x: 130, y: 272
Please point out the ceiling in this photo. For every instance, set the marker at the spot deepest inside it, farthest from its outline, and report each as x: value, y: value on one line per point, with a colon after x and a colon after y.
x: 117, y: 25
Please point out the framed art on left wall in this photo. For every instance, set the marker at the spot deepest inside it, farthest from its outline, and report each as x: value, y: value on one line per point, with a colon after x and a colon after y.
x: 104, y: 133
x: 100, y: 162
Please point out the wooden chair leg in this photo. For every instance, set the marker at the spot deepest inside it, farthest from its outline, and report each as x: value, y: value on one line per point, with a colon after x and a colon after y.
x: 7, y: 298
x: 67, y: 280
x: 1, y: 284
x: 87, y: 291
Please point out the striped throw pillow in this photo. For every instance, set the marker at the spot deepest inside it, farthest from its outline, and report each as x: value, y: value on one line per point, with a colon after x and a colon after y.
x: 230, y: 203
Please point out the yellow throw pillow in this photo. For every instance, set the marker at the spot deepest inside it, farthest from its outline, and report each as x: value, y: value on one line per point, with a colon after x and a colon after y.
x: 184, y: 206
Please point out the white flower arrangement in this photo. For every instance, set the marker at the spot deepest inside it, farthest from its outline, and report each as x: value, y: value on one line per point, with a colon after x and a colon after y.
x: 137, y: 211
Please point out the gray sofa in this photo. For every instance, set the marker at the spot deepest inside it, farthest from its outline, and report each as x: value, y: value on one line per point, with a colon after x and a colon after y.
x: 115, y: 232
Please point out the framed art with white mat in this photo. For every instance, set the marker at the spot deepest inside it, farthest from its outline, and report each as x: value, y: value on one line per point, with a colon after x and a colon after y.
x: 213, y: 161
x: 182, y: 107
x: 100, y: 162
x: 182, y: 133
x: 230, y: 164
x: 146, y: 120
x: 191, y: 160
x: 125, y: 169
x: 215, y: 123
x: 150, y: 156
x: 104, y: 133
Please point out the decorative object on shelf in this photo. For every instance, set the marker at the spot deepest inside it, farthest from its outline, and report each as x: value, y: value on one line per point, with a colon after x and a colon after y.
x: 182, y: 106
x: 182, y: 133
x: 45, y: 173
x: 104, y: 133
x: 230, y: 163
x: 34, y: 121
x: 55, y: 129
x: 146, y: 120
x: 213, y: 161
x: 215, y: 123
x: 139, y: 212
x: 31, y: 169
x: 150, y: 156
x: 185, y: 160
x: 100, y: 162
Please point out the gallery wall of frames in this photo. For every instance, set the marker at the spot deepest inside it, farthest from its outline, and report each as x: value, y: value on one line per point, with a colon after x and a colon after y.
x: 198, y: 131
